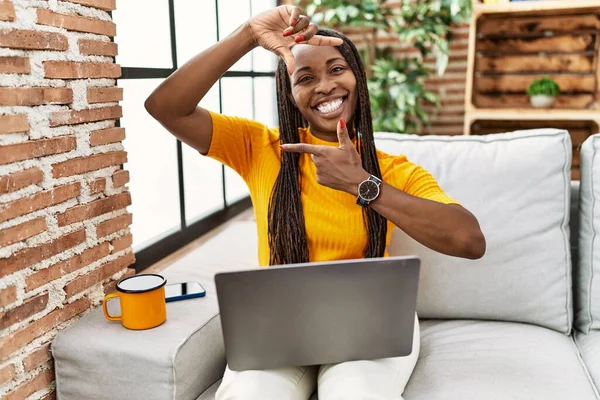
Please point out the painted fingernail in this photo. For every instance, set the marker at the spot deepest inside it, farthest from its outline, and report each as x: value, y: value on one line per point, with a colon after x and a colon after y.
x: 342, y: 123
x: 283, y: 147
x: 287, y: 32
x: 293, y: 22
x: 299, y: 38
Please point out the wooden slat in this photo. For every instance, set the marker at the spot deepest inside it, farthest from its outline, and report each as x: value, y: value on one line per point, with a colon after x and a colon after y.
x: 575, y: 174
x: 522, y: 100
x: 513, y: 83
x: 578, y: 136
x: 579, y: 130
x: 535, y: 25
x: 536, y: 63
x: 563, y: 43
x: 575, y: 161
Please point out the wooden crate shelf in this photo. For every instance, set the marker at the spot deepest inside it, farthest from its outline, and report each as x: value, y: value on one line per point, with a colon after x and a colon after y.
x: 541, y: 7
x: 511, y: 44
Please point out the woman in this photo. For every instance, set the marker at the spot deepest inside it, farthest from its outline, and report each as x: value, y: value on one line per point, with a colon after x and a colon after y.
x: 305, y: 182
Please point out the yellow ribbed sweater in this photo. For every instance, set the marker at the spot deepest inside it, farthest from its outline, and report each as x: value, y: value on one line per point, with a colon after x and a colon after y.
x: 334, y: 222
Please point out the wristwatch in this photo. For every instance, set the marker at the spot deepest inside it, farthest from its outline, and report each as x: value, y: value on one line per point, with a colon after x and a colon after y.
x: 368, y: 190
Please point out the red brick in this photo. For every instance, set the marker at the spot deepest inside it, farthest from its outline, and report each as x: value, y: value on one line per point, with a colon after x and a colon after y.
x: 105, y: 136
x: 113, y: 225
x: 66, y: 267
x: 13, y: 123
x: 98, y: 48
x: 98, y: 275
x: 27, y: 388
x: 36, y: 148
x: 120, y: 178
x: 110, y: 287
x: 26, y: 310
x: 22, y: 231
x: 58, y: 95
x: 7, y: 11
x: 104, y: 95
x: 78, y: 70
x: 106, y: 5
x: 60, y: 118
x: 37, y: 358
x: 7, y: 374
x: 75, y: 23
x: 97, y: 186
x: 121, y: 243
x: 85, y: 164
x: 34, y: 96
x: 8, y: 296
x: 93, y: 209
x: 19, y: 180
x: 34, y: 255
x: 39, y: 201
x: 32, y: 40
x: 13, y: 342
x: 14, y: 65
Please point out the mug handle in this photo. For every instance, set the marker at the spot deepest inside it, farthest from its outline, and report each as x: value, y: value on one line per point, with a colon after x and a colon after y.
x: 105, y: 309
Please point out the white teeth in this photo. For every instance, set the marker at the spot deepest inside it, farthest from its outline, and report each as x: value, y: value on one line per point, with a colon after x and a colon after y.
x: 330, y: 106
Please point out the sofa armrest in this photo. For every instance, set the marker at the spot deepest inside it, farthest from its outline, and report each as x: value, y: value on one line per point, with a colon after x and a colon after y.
x: 98, y: 359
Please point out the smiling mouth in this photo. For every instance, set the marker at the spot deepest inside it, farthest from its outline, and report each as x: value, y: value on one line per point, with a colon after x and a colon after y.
x: 331, y: 107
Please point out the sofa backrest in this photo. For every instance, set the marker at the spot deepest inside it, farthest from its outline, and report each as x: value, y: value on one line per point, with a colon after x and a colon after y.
x: 518, y: 186
x: 587, y: 273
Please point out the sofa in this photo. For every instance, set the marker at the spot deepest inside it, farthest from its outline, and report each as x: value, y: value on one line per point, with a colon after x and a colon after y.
x: 521, y: 323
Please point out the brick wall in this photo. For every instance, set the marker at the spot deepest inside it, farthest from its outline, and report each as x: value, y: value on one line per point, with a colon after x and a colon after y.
x: 64, y: 236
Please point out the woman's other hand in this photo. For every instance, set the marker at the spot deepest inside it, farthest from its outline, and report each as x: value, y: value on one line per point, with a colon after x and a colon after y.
x: 339, y: 167
x: 281, y: 28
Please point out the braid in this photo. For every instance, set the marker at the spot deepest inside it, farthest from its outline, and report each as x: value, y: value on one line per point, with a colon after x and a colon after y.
x: 287, y: 234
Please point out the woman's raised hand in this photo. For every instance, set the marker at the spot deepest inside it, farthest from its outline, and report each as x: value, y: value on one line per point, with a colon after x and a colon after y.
x: 281, y: 28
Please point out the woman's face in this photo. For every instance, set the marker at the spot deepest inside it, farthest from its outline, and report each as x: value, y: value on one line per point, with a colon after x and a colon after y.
x: 323, y: 86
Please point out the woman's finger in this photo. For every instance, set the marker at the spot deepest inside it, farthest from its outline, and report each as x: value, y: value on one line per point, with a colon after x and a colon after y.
x: 289, y: 60
x: 303, y: 22
x: 294, y: 15
x: 319, y: 40
x: 306, y: 34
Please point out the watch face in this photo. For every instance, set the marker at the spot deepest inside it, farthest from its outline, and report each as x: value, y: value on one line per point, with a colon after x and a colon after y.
x: 368, y: 190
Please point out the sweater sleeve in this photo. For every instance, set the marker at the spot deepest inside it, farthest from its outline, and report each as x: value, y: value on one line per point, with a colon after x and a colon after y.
x: 235, y: 142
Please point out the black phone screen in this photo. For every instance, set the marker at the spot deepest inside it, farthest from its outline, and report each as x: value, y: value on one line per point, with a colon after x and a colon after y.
x: 182, y: 289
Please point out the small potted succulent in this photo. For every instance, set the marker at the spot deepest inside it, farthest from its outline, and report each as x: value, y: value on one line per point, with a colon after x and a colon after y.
x: 542, y: 92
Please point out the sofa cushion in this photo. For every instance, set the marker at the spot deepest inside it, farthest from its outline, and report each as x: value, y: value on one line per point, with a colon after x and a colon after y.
x: 587, y: 283
x: 517, y: 185
x: 471, y: 360
x: 589, y: 347
x: 98, y: 359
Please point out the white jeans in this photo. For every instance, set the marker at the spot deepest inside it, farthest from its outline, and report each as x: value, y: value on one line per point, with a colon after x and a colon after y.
x: 383, y: 379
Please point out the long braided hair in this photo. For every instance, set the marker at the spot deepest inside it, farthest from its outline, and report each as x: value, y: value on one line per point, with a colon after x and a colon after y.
x: 287, y: 234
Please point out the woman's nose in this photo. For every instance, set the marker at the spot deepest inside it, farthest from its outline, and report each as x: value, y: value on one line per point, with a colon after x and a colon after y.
x: 325, y: 86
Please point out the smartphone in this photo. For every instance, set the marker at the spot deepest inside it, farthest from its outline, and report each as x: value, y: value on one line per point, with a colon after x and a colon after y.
x: 183, y: 291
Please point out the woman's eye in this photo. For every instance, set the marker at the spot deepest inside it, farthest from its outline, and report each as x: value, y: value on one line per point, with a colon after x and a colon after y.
x: 305, y: 78
x: 337, y: 69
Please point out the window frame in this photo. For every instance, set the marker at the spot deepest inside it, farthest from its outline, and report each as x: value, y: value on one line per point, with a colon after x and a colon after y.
x: 187, y: 233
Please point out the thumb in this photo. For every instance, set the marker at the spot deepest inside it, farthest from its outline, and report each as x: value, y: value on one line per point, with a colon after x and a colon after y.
x: 342, y: 133
x: 289, y: 60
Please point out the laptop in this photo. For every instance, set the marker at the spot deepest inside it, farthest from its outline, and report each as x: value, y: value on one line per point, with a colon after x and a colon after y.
x: 318, y: 313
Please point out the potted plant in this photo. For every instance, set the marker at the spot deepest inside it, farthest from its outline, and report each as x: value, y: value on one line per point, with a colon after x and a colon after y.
x: 542, y: 92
